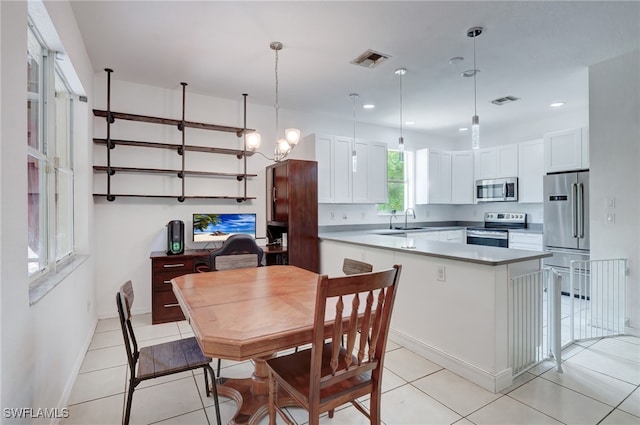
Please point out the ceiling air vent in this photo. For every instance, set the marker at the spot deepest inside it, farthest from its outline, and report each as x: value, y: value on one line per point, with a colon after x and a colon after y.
x: 502, y: 100
x: 370, y: 59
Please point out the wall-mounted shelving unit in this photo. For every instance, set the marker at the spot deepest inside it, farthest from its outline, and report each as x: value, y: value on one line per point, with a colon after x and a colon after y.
x: 181, y: 149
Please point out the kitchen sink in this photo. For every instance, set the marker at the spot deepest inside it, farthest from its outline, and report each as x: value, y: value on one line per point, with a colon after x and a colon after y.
x: 409, y: 228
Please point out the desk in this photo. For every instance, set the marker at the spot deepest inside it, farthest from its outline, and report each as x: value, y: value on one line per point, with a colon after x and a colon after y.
x: 249, y: 314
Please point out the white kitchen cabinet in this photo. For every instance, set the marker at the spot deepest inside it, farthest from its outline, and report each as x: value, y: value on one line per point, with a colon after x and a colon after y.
x: 525, y: 240
x: 462, y: 178
x: 507, y: 160
x: 566, y: 150
x: 433, y: 177
x: 496, y: 162
x: 531, y: 171
x: 370, y: 176
x: 337, y: 182
x: 377, y: 173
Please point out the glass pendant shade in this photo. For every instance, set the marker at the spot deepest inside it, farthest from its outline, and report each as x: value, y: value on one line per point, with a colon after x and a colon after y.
x: 292, y: 135
x: 283, y: 147
x: 253, y: 141
x: 475, y: 132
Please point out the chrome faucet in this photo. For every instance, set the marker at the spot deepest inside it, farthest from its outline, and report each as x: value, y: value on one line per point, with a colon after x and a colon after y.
x: 390, y: 217
x: 406, y: 213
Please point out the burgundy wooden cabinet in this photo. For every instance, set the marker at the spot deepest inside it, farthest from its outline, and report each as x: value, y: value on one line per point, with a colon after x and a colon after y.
x: 292, y: 208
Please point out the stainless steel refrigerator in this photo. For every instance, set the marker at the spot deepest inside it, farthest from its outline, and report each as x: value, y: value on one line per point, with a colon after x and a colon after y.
x: 566, y: 222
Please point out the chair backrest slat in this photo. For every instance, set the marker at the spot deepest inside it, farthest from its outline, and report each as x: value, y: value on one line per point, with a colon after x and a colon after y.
x: 334, y: 294
x: 350, y: 266
x: 238, y: 261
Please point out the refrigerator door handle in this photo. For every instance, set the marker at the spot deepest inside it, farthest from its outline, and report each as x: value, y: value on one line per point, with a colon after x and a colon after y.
x: 574, y: 209
x: 580, y: 209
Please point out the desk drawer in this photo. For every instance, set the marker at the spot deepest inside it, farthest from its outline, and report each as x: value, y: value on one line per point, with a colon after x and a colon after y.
x: 165, y: 307
x: 162, y: 281
x: 169, y: 265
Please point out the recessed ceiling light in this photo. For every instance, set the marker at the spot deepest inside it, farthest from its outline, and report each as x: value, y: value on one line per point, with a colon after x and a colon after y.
x: 463, y: 129
x: 368, y: 106
x: 410, y: 122
x: 556, y: 104
x: 456, y: 60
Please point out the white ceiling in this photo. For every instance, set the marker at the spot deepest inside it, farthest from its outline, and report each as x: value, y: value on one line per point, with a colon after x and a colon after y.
x: 538, y: 51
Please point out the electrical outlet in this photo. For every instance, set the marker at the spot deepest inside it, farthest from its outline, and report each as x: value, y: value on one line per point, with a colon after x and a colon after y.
x: 344, y: 216
x: 611, y: 218
x: 363, y: 215
x: 333, y: 215
x: 611, y: 203
x: 442, y: 274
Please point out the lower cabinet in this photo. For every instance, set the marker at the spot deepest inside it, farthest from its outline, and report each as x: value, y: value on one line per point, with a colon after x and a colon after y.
x: 526, y: 241
x: 164, y: 305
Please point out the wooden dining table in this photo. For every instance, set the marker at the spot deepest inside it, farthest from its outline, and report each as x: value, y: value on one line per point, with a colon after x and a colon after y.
x: 250, y: 314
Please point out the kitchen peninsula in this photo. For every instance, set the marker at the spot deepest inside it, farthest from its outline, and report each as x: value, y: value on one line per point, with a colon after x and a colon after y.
x: 452, y: 304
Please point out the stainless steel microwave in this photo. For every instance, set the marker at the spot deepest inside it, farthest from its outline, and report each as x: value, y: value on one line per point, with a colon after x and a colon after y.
x: 497, y: 190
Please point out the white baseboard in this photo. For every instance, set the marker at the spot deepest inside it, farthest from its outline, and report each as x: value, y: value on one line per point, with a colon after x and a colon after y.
x: 64, y: 397
x: 491, y: 382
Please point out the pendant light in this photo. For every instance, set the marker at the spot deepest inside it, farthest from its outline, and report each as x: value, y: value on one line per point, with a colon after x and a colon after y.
x: 400, y: 72
x: 354, y: 156
x: 475, y: 120
x: 291, y: 135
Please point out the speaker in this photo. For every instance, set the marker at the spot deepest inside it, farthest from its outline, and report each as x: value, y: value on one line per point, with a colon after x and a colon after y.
x: 175, y: 237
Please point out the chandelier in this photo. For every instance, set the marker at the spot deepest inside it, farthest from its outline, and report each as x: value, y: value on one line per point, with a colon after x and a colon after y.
x: 291, y: 137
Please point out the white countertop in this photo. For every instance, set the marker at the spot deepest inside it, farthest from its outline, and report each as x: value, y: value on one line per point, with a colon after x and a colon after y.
x: 487, y: 255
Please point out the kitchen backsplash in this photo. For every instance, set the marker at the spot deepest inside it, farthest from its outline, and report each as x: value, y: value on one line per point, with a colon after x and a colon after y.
x: 356, y: 214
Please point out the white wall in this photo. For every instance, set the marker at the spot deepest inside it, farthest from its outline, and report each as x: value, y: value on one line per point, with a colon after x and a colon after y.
x: 43, y: 344
x: 614, y: 99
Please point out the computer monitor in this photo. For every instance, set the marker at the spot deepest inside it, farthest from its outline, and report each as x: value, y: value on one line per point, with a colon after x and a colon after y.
x: 218, y: 227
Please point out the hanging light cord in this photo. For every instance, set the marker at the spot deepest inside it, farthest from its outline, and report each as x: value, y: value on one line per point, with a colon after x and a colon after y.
x: 401, y: 105
x: 277, y: 106
x: 475, y: 72
x: 353, y: 97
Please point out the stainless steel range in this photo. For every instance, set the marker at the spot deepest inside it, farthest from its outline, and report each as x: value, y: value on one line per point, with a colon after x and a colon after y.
x: 496, y: 229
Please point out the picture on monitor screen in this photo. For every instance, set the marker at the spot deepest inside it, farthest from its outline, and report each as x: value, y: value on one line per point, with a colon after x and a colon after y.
x: 218, y: 227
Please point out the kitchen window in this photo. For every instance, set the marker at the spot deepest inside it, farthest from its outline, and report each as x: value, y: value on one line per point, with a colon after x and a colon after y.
x: 398, y: 177
x: 50, y: 171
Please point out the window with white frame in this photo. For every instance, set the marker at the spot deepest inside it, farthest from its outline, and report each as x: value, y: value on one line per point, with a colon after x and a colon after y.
x: 398, y: 187
x: 49, y: 162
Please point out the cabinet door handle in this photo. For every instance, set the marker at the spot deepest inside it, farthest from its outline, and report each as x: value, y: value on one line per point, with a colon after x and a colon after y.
x: 167, y: 282
x: 169, y: 266
x: 171, y: 305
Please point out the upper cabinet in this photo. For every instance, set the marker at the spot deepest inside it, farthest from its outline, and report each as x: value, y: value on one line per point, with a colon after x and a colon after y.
x: 462, y: 183
x: 566, y: 150
x: 433, y: 176
x: 531, y: 170
x: 500, y: 161
x: 343, y: 181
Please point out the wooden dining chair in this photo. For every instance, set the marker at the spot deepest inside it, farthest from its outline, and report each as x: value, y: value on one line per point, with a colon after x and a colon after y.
x: 161, y: 359
x: 328, y: 375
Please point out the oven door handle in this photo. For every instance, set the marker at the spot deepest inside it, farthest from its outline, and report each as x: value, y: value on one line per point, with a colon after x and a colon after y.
x: 487, y: 234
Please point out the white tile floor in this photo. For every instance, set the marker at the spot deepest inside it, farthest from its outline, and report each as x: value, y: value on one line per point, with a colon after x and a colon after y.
x: 600, y: 385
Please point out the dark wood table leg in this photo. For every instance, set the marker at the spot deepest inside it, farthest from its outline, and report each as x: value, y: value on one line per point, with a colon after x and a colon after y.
x: 251, y: 394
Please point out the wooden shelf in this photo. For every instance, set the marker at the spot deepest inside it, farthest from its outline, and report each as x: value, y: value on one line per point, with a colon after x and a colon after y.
x: 118, y: 195
x: 172, y: 146
x: 182, y: 173
x: 237, y: 176
x: 170, y: 121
